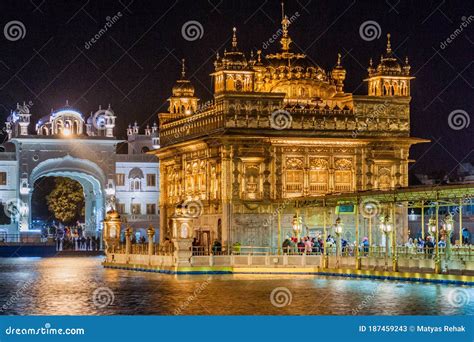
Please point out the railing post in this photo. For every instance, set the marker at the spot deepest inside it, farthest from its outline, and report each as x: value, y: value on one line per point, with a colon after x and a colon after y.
x: 437, y: 268
x: 128, y: 245
x: 394, y: 241
x: 325, y: 251
x: 211, y: 259
x: 151, y: 233
x: 358, y: 260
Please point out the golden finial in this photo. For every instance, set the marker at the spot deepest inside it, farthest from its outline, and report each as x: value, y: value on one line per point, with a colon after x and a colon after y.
x: 183, y: 71
x: 389, y: 46
x: 371, y: 62
x: 285, y: 40
x: 234, y: 38
x: 338, y: 59
x: 259, y: 56
x: 406, y: 60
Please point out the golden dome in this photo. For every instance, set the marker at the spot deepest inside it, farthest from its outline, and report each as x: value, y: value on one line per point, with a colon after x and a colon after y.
x: 233, y: 59
x: 294, y: 73
x: 389, y: 64
x: 183, y: 87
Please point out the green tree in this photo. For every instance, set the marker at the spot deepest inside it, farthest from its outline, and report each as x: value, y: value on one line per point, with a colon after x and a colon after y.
x: 66, y: 201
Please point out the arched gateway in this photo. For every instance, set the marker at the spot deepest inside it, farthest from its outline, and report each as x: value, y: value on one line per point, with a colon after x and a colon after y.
x: 67, y: 145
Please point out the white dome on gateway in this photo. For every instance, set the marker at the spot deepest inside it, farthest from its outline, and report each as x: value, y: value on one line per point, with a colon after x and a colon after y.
x: 64, y: 121
x: 68, y: 121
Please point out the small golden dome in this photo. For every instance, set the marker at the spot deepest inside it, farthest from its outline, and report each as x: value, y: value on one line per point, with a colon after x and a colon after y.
x: 183, y: 87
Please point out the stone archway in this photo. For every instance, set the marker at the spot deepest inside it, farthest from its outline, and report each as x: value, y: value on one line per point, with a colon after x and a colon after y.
x: 88, y: 174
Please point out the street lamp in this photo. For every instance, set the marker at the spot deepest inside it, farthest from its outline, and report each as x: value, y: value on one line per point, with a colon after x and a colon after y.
x: 297, y: 224
x: 447, y: 229
x: 338, y: 231
x: 386, y: 228
x: 432, y: 226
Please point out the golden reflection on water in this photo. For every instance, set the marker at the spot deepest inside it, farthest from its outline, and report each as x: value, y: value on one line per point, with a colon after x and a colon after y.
x: 65, y: 286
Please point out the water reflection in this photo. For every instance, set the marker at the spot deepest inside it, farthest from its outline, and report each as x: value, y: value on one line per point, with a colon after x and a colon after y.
x: 65, y: 286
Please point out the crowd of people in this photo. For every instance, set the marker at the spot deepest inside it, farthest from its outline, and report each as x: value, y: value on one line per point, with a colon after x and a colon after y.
x: 74, y: 239
x: 316, y: 245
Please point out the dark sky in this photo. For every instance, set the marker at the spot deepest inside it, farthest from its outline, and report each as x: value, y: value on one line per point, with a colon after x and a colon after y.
x: 135, y: 63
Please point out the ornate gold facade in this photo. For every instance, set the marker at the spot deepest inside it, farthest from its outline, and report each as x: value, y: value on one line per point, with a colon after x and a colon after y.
x: 279, y: 127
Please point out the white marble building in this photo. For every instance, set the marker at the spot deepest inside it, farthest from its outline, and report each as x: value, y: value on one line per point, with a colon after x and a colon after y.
x: 65, y: 143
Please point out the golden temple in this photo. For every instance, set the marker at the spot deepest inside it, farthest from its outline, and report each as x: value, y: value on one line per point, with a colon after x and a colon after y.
x: 279, y: 127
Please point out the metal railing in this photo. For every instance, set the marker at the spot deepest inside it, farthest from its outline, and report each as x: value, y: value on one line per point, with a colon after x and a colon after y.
x: 465, y: 253
x: 25, y: 239
x: 142, y: 249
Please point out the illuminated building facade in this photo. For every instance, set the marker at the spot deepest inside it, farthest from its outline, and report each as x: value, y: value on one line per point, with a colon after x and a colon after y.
x: 279, y: 127
x: 67, y: 144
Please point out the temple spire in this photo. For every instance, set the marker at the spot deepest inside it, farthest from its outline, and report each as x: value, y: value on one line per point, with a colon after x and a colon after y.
x: 285, y: 39
x: 389, y: 46
x: 234, y: 39
x: 183, y: 69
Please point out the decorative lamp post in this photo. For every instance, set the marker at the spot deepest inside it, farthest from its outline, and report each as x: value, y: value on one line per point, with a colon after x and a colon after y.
x: 433, y: 229
x: 111, y: 234
x: 338, y: 231
x: 386, y: 228
x: 432, y: 226
x: 448, y: 226
x: 297, y: 223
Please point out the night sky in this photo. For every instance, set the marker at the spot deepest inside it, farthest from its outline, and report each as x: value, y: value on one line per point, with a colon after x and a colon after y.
x: 135, y: 63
